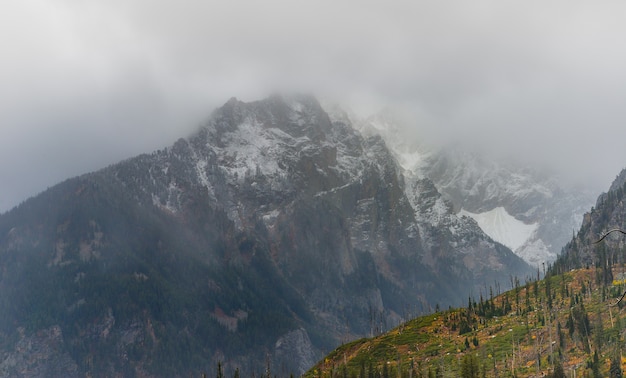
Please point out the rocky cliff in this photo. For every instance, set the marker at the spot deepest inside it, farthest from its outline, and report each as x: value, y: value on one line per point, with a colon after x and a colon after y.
x: 608, y: 213
x: 271, y: 235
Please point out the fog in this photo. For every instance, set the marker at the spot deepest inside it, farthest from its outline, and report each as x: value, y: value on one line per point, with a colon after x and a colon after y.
x: 88, y: 83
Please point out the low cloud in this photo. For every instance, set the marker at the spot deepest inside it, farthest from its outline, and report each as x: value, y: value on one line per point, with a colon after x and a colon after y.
x: 86, y: 84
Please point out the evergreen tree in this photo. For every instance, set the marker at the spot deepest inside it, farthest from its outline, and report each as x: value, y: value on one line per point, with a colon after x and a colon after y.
x: 558, y: 371
x: 598, y: 332
x: 469, y: 367
x: 561, y: 335
x: 220, y: 373
x: 615, y: 371
x: 268, y: 368
x: 438, y: 372
x: 595, y: 366
x: 581, y: 320
x: 570, y: 324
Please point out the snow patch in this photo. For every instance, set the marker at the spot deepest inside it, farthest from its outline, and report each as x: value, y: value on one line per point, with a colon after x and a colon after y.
x: 201, y: 169
x: 172, y: 199
x: 249, y: 149
x: 439, y: 211
x: 271, y: 216
x: 502, y: 227
x: 535, y: 252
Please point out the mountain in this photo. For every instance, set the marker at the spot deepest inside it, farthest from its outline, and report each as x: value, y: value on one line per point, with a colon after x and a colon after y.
x: 570, y: 322
x: 529, y: 210
x: 272, y: 234
x: 608, y: 213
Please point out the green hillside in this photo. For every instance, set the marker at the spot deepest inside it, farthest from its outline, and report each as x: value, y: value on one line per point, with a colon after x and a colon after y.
x: 561, y: 324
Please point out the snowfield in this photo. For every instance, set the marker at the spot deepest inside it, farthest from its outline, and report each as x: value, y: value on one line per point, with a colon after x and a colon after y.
x: 502, y: 227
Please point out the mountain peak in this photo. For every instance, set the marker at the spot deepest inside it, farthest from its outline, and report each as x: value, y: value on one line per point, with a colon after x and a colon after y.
x: 298, y: 115
x: 272, y: 228
x: 619, y: 181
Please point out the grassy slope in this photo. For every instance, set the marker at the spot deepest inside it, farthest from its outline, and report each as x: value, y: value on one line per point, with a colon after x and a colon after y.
x: 508, y: 345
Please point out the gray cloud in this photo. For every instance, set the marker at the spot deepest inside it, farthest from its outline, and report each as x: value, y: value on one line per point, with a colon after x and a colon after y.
x: 87, y: 83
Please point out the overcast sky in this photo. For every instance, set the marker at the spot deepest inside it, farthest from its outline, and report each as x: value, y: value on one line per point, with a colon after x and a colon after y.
x: 85, y: 83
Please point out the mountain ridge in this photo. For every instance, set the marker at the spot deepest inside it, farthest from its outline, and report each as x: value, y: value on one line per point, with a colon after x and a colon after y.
x: 272, y: 228
x: 608, y: 213
x: 477, y: 181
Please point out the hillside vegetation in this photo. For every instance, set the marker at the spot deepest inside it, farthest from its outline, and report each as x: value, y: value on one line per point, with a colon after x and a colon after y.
x: 563, y: 325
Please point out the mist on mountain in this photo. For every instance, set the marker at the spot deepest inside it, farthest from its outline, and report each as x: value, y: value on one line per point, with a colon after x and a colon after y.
x: 106, y: 80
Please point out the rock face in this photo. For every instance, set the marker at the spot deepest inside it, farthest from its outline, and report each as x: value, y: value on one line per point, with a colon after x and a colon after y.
x: 269, y: 236
x: 296, y: 346
x: 538, y: 211
x: 478, y: 185
x: 608, y: 213
x: 39, y: 355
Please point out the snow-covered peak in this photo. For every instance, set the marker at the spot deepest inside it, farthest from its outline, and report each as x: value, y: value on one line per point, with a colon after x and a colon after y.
x: 496, y: 186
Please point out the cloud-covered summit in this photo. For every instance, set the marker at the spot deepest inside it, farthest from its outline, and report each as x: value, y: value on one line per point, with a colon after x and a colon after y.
x: 88, y: 83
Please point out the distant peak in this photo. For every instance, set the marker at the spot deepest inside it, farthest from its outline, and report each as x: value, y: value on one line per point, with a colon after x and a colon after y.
x: 619, y: 181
